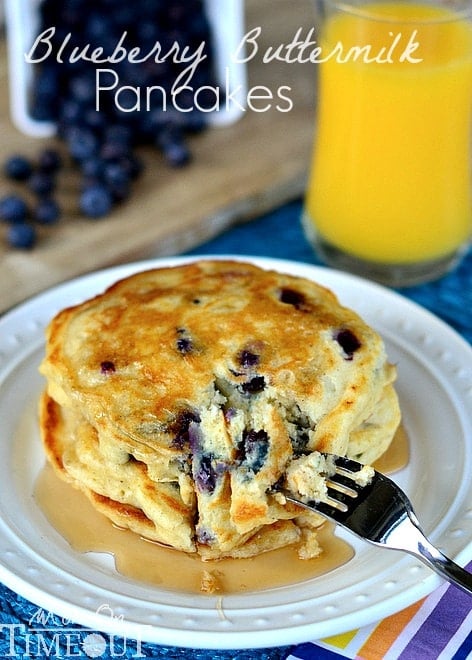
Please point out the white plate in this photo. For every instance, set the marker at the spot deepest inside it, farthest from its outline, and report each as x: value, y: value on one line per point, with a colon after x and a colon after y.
x: 435, y: 388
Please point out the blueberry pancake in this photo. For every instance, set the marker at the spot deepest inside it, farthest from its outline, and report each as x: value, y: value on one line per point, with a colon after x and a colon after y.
x: 180, y: 397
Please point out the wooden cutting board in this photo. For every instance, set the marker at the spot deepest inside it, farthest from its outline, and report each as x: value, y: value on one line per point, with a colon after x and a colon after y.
x: 237, y: 172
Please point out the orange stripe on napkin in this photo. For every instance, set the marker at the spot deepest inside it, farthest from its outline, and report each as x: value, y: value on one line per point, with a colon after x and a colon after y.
x: 387, y: 632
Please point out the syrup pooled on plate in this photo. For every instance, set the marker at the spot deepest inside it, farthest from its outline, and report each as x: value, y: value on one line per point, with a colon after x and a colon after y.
x: 397, y: 455
x: 87, y: 530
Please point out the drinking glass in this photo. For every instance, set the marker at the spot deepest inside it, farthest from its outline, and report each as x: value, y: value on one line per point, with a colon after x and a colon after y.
x: 389, y: 195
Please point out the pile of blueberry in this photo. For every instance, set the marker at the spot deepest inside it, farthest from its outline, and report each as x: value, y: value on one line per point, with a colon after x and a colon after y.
x: 102, y: 145
x: 40, y: 179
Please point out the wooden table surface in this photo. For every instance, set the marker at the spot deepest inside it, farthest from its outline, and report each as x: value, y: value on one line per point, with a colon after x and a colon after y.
x: 237, y: 172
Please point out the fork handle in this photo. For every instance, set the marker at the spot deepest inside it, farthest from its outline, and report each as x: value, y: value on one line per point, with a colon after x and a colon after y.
x: 445, y: 566
x: 435, y: 559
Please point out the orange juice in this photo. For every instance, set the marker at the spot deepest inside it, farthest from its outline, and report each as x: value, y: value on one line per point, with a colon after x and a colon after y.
x: 391, y: 171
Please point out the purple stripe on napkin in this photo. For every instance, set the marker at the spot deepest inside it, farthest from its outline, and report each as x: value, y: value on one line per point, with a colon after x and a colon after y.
x: 440, y: 626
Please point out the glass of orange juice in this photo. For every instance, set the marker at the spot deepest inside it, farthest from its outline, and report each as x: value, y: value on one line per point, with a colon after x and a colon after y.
x: 390, y: 189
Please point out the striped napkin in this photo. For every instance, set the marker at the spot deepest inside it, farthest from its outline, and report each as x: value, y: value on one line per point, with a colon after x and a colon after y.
x: 439, y: 627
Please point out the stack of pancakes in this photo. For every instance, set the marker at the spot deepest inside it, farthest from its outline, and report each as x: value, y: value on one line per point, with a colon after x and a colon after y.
x: 178, y: 400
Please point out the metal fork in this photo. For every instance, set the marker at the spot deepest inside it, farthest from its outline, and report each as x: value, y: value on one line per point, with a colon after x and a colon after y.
x: 382, y: 514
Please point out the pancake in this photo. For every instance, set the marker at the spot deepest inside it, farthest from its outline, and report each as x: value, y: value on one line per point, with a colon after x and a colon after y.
x: 186, y: 393
x: 131, y: 500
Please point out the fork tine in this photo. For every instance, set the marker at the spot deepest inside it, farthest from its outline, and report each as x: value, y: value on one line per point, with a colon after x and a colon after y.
x: 331, y: 508
x: 341, y: 487
x: 335, y: 503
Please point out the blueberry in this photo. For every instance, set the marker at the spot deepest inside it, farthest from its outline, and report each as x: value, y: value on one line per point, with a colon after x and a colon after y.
x: 95, y: 201
x: 348, y: 342
x: 132, y: 165
x: 46, y: 88
x: 73, y: 12
x: 205, y: 536
x: 177, y: 154
x: 254, y: 386
x: 94, y: 120
x: 113, y: 150
x: 195, y: 122
x: 46, y: 77
x: 97, y: 25
x: 248, y: 359
x: 41, y: 183
x: 21, y: 235
x: 107, y: 367
x: 230, y: 413
x: 43, y: 109
x: 205, y: 476
x: 124, y: 15
x: 172, y: 144
x: 117, y: 180
x: 253, y: 449
x: 154, y: 121
x: 47, y: 211
x: 194, y: 436
x: 292, y: 297
x: 70, y: 113
x: 82, y: 143
x: 92, y: 168
x: 18, y: 168
x: 49, y: 160
x: 180, y: 427
x: 184, y: 345
x: 115, y: 174
x: 82, y: 88
x: 118, y: 133
x: 119, y: 191
x: 13, y: 209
